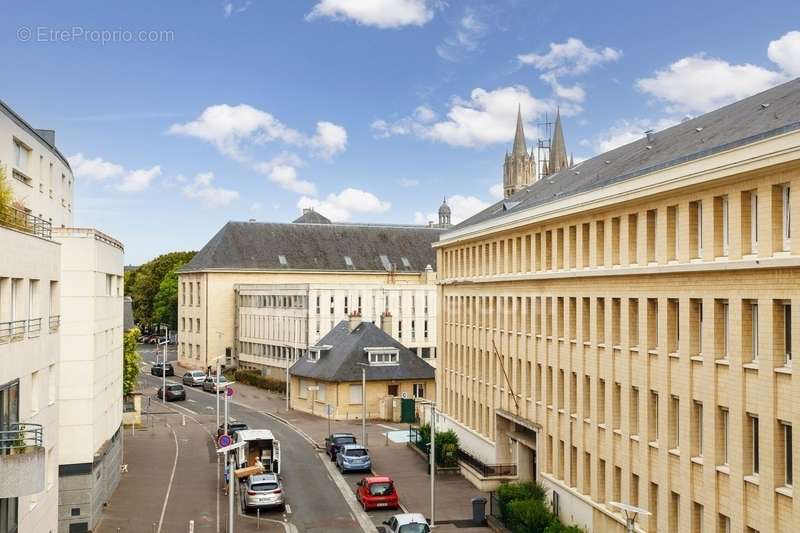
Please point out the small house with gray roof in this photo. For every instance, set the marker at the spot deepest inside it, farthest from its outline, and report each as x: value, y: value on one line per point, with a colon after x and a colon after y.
x: 355, y: 353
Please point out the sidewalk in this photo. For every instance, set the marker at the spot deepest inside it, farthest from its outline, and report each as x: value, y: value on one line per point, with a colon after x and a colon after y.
x: 407, y: 468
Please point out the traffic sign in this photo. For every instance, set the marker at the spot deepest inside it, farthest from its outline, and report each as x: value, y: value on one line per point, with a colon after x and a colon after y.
x: 229, y: 391
x: 224, y: 440
x: 404, y: 396
x: 329, y: 409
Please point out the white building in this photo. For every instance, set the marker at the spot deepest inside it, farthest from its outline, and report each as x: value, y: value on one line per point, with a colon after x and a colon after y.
x: 277, y: 322
x: 60, y: 345
x: 90, y: 377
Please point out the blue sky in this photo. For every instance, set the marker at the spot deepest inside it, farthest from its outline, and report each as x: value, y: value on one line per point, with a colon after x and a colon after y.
x: 369, y: 110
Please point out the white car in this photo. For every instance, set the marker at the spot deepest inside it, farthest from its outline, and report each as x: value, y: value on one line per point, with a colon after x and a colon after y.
x: 407, y: 523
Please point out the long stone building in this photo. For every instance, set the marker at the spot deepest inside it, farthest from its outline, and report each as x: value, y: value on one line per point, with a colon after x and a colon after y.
x: 259, y: 294
x: 623, y: 330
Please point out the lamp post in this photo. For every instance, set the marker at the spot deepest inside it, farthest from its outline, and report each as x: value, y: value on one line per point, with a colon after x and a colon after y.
x: 630, y: 512
x: 364, y: 403
x: 432, y: 445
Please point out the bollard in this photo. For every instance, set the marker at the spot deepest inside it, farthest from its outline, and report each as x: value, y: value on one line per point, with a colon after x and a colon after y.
x: 154, y: 527
x: 258, y: 518
x: 191, y: 526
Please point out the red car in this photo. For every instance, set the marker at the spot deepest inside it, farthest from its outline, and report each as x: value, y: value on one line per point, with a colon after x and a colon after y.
x: 377, y: 493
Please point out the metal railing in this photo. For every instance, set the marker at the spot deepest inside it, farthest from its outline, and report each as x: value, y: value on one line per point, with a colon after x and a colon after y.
x: 21, y: 220
x: 496, y: 470
x: 34, y: 327
x: 13, y: 331
x: 54, y: 323
x: 20, y: 436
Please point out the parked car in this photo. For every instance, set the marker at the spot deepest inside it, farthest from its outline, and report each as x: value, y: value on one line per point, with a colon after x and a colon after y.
x: 158, y: 368
x: 174, y: 393
x: 194, y: 378
x: 353, y: 457
x: 407, y: 523
x: 334, y: 440
x: 262, y: 491
x: 377, y: 492
x: 215, y: 384
x: 233, y: 427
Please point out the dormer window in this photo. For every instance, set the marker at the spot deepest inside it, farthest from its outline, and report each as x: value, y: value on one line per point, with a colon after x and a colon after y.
x: 385, y: 262
x: 405, y: 262
x: 315, y: 352
x: 383, y: 356
x: 348, y: 261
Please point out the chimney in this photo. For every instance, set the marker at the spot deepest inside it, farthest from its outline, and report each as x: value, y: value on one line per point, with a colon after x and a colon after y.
x: 386, y: 323
x: 354, y: 322
x: 307, y: 210
x: 651, y: 136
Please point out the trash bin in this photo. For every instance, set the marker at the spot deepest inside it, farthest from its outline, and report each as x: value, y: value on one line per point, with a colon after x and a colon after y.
x: 479, y: 510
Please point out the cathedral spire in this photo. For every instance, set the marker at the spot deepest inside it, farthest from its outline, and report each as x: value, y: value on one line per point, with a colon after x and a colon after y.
x: 519, y: 136
x: 558, y: 148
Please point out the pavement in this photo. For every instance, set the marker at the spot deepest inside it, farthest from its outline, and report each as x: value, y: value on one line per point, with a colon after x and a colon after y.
x: 319, y: 497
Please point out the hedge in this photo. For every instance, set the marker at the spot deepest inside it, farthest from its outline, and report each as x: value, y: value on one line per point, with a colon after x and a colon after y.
x: 446, y: 445
x: 252, y: 377
x: 523, y: 510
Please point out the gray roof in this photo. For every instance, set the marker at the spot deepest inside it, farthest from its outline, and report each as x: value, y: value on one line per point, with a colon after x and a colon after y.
x: 310, y: 216
x: 279, y: 246
x: 340, y: 363
x: 764, y: 115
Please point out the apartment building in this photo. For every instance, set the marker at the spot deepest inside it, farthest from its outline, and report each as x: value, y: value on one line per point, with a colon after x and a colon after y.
x: 624, y: 330
x: 30, y: 285
x: 251, y: 294
x: 60, y: 345
x: 90, y: 370
x: 276, y: 323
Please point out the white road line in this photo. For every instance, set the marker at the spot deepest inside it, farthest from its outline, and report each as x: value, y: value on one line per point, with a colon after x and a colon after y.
x: 288, y: 509
x: 390, y: 428
x: 361, y: 517
x: 171, y: 478
x: 190, y: 400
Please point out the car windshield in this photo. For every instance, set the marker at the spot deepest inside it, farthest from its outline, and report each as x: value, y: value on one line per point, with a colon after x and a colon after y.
x: 175, y: 387
x: 355, y: 453
x: 414, y: 528
x: 222, y: 379
x: 380, y: 489
x: 346, y: 439
x: 261, y: 487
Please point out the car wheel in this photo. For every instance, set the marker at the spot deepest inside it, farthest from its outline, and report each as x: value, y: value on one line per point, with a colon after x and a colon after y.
x: 282, y: 508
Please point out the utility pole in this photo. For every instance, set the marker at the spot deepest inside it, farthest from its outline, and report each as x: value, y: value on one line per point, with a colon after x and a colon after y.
x: 230, y: 490
x: 164, y: 366
x: 433, y: 464
x: 364, y: 405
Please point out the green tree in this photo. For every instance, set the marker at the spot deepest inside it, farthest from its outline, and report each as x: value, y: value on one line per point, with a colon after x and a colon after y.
x: 131, y: 362
x: 165, y: 304
x: 147, y: 282
x: 6, y: 196
x: 130, y: 279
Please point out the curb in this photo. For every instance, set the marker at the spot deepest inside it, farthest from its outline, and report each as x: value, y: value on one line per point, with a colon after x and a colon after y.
x: 294, y: 428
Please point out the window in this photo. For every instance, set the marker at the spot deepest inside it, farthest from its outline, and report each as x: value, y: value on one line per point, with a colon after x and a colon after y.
x: 653, y: 416
x: 348, y: 261
x: 697, y: 423
x: 383, y: 357
x: 198, y: 293
x: 723, y: 328
x: 696, y: 228
x: 355, y: 394
x: 405, y: 262
x: 674, y: 422
x: 752, y: 215
x: 651, y: 235
x: 418, y: 390
x: 282, y: 260
x: 753, y: 307
x: 786, y: 217
x: 672, y: 233
x: 754, y: 443
x: 9, y: 514
x: 183, y: 293
x: 723, y: 435
x: 786, y: 430
x: 787, y: 334
x: 721, y: 233
x: 21, y: 156
x: 108, y: 284
x: 634, y: 411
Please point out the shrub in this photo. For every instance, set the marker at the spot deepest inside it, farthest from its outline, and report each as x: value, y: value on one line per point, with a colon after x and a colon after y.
x: 529, y: 516
x: 252, y: 377
x: 557, y: 527
x: 446, y: 445
x: 510, y: 492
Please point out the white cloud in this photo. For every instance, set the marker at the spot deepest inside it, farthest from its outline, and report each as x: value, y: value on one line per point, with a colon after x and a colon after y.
x: 698, y: 84
x: 569, y: 58
x: 466, y: 37
x: 202, y: 189
x: 496, y: 191
x: 229, y: 8
x: 408, y: 183
x: 93, y: 169
x: 286, y: 177
x: 341, y: 207
x: 488, y: 117
x: 461, y: 208
x: 575, y: 93
x: 626, y: 131
x: 138, y: 180
x: 378, y: 13
x: 329, y: 140
x: 424, y: 114
x: 785, y: 52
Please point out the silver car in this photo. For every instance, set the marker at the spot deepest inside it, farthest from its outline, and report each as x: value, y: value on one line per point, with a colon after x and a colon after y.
x: 194, y: 378
x: 215, y: 384
x: 262, y: 491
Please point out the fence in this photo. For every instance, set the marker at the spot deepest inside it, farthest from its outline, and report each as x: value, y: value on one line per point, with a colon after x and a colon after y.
x: 485, y: 470
x: 20, y: 436
x: 21, y: 220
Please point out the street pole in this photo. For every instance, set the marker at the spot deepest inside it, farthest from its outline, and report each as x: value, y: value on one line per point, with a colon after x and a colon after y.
x: 433, y: 464
x: 164, y: 369
x: 215, y: 390
x: 287, y: 385
x: 230, y: 492
x: 364, y: 405
x: 226, y: 411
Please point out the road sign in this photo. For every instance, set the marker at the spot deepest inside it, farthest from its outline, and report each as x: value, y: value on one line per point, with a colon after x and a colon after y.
x: 404, y: 395
x: 329, y: 409
x: 313, y: 387
x: 224, y: 440
x: 229, y: 391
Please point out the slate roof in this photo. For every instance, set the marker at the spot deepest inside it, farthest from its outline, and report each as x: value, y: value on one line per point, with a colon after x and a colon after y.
x: 763, y: 115
x: 310, y: 216
x: 340, y: 363
x: 260, y: 245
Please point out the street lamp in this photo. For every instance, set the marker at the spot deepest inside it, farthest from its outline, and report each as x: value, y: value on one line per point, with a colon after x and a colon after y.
x: 630, y: 512
x: 364, y: 402
x: 229, y: 460
x: 432, y: 444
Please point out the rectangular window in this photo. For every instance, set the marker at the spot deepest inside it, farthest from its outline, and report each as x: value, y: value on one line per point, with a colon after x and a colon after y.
x: 418, y: 390
x: 786, y: 216
x: 21, y: 156
x: 633, y: 238
x: 697, y: 426
x: 753, y: 316
x: 653, y: 418
x: 652, y: 323
x: 616, y: 407
x: 672, y: 233
x: 585, y: 245
x: 600, y: 243
x: 615, y: 238
x: 723, y: 221
x: 674, y: 422
x: 696, y: 323
x: 673, y: 325
x: 786, y: 430
x: 601, y: 401
x: 724, y: 524
x: 787, y: 334
x: 652, y: 216
x: 752, y: 216
x: 633, y: 411
x: 723, y: 435
x: 696, y: 229
x: 754, y: 444
x: 722, y: 329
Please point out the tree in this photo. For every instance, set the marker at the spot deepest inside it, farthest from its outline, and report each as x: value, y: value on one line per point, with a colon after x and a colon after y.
x: 165, y: 304
x: 146, y: 283
x: 131, y: 362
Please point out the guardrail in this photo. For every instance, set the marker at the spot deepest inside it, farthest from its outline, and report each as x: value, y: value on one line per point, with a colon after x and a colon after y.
x: 21, y: 220
x: 13, y: 330
x: 20, y: 436
x: 496, y: 470
x: 54, y: 323
x: 34, y: 327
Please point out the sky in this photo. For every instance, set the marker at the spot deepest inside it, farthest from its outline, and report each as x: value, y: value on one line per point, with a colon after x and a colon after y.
x: 179, y: 116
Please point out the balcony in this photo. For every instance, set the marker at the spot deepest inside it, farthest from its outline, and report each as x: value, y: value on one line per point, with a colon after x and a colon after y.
x: 13, y: 331
x: 22, y: 460
x: 20, y: 220
x: 54, y: 323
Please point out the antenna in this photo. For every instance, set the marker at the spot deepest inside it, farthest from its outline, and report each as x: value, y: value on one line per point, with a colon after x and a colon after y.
x: 545, y: 132
x: 508, y: 381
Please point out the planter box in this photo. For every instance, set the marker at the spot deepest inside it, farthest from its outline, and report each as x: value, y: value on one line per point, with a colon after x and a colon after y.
x: 23, y: 473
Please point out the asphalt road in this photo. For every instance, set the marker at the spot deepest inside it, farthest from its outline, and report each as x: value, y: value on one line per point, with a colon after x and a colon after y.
x: 315, y: 503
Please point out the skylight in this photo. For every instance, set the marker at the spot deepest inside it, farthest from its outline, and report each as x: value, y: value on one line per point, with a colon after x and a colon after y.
x: 348, y: 261
x: 385, y: 261
x: 405, y: 262
x: 282, y: 260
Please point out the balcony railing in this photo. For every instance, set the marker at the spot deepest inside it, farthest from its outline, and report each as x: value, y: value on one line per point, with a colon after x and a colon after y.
x: 21, y: 220
x: 12, y: 331
x: 20, y: 436
x: 497, y: 470
x: 34, y: 327
x: 55, y: 323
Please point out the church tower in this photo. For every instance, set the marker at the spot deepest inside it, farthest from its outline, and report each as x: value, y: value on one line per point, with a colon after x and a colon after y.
x: 444, y: 214
x: 518, y: 169
x: 558, y: 158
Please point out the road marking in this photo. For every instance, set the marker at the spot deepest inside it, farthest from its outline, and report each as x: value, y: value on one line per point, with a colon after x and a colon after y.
x: 171, y: 478
x: 361, y: 517
x: 209, y: 407
x: 190, y: 400
x: 288, y: 509
x: 390, y: 428
x: 231, y: 419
